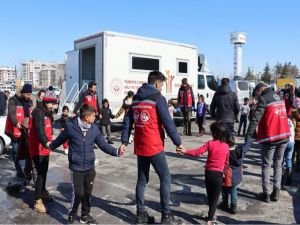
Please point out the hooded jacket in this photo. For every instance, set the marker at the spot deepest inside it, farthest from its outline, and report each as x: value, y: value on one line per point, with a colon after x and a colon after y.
x: 148, y: 91
x: 225, y: 105
x: 266, y: 97
x: 81, y: 148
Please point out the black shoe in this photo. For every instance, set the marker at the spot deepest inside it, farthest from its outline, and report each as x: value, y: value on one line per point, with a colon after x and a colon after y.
x: 168, y: 218
x: 143, y: 217
x: 233, y: 209
x: 46, y: 196
x: 275, y: 195
x: 288, y: 181
x: 110, y: 142
x: 265, y: 197
x: 224, y: 206
x: 88, y: 219
x: 71, y: 218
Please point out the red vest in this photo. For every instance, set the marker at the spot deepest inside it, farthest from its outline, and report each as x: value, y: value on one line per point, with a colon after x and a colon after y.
x: 273, y: 125
x: 91, y: 100
x: 10, y: 129
x: 148, y: 128
x: 188, y: 98
x: 35, y: 147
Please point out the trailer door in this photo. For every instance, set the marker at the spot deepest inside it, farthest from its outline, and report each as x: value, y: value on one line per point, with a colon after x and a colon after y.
x: 72, y: 70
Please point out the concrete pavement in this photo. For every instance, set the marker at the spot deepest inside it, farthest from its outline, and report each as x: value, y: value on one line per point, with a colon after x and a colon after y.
x: 114, y: 190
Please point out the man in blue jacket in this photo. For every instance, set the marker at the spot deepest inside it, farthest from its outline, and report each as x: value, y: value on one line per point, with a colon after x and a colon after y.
x: 82, y: 134
x: 149, y: 112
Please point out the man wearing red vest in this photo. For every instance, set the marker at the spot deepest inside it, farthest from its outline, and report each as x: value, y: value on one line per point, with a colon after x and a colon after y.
x: 149, y: 112
x: 40, y: 136
x: 273, y: 134
x: 19, y: 108
x: 89, y: 97
x: 186, y: 103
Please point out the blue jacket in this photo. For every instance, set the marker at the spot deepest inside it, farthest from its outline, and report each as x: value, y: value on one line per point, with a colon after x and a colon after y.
x: 81, y: 149
x: 162, y: 111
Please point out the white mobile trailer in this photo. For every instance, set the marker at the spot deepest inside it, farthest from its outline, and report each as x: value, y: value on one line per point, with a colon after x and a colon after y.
x: 120, y: 62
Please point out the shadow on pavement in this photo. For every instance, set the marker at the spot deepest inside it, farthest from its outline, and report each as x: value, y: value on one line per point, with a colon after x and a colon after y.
x: 228, y: 220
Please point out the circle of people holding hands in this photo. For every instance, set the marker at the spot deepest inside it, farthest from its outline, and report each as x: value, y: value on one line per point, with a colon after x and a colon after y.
x: 272, y: 121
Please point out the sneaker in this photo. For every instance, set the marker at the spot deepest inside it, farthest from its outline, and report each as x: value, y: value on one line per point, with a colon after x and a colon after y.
x: 143, y: 217
x: 233, y: 209
x: 110, y: 142
x: 275, y: 195
x: 168, y: 218
x: 88, y: 219
x: 66, y: 151
x: 39, y: 206
x: 265, y: 197
x: 71, y: 218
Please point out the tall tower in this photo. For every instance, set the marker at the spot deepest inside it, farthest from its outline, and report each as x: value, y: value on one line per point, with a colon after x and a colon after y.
x: 237, y: 39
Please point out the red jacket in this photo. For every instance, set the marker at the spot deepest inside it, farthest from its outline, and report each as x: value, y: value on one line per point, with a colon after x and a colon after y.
x: 40, y: 132
x: 186, y: 97
x: 15, y: 115
x: 218, y: 155
x: 273, y: 125
x: 92, y: 101
x: 148, y: 128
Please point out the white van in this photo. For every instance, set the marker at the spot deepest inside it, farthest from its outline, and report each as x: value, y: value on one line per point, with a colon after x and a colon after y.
x: 241, y: 88
x: 207, y: 85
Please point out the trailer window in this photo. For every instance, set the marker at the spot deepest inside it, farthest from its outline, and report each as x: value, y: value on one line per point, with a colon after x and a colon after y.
x: 201, y: 82
x: 182, y: 67
x: 243, y: 85
x: 142, y: 63
x: 211, y: 82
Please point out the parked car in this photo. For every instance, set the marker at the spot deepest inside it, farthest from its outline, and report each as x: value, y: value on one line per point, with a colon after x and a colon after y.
x: 4, y: 139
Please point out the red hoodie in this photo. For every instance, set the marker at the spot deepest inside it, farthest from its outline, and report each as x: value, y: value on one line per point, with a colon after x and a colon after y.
x: 218, y: 155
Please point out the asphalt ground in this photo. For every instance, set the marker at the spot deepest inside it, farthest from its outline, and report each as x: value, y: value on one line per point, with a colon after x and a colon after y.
x: 113, y: 200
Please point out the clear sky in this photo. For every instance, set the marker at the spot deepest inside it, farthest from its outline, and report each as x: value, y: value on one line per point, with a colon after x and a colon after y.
x: 45, y: 29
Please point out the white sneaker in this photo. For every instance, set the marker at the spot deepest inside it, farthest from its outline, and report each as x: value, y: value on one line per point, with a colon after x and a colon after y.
x: 66, y: 151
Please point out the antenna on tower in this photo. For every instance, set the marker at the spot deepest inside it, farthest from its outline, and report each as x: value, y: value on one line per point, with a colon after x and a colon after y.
x: 237, y: 39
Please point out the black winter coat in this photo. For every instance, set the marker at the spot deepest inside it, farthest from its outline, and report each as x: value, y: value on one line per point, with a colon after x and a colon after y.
x: 106, y: 116
x: 225, y: 105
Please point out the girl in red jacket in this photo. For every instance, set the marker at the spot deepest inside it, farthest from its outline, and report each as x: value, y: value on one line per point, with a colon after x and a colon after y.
x: 216, y: 164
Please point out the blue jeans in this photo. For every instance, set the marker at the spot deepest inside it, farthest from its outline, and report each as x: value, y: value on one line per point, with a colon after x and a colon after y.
x: 288, y: 154
x: 160, y: 165
x: 232, y: 191
x: 19, y: 164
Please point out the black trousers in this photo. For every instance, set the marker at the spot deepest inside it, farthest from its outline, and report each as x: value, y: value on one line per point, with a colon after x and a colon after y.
x: 243, y: 122
x: 82, y: 182
x: 186, y: 122
x: 213, y: 183
x: 41, y: 164
x: 200, y: 120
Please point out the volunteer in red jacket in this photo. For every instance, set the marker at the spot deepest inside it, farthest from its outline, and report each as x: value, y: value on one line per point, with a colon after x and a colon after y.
x: 89, y: 97
x: 273, y: 134
x: 19, y: 108
x: 149, y: 112
x: 40, y: 136
x: 186, y: 103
